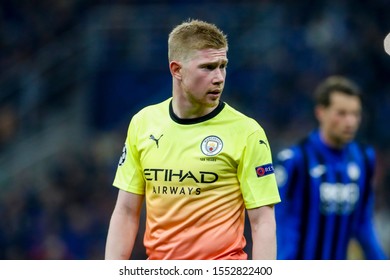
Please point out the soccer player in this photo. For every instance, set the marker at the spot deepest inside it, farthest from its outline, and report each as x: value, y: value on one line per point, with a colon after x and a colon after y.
x: 325, y: 182
x: 197, y: 162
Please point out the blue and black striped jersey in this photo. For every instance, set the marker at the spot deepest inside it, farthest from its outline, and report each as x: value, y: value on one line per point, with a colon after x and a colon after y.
x: 327, y: 199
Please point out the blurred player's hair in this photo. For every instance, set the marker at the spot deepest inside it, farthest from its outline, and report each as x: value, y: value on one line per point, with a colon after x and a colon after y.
x: 335, y: 84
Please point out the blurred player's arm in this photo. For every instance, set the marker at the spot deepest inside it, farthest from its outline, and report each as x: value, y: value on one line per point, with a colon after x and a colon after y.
x: 366, y: 232
x: 367, y: 235
x: 123, y: 226
x: 263, y: 225
x: 369, y: 240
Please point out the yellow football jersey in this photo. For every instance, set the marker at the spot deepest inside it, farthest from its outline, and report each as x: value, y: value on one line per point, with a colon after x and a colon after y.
x: 198, y: 176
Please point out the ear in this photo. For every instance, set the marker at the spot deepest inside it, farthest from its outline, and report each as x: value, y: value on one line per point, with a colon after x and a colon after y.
x: 319, y: 112
x: 175, y: 68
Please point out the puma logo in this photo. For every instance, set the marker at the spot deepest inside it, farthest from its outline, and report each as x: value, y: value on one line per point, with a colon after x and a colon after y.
x: 155, y: 139
x: 262, y: 142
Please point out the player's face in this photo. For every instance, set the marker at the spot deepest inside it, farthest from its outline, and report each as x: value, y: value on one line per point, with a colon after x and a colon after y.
x: 340, y: 121
x: 203, y: 77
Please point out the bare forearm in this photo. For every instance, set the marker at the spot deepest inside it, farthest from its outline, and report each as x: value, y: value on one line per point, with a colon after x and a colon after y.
x: 263, y: 227
x: 264, y: 242
x: 121, y: 237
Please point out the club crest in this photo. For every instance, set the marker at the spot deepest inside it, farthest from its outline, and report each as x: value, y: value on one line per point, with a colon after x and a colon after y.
x: 211, y: 145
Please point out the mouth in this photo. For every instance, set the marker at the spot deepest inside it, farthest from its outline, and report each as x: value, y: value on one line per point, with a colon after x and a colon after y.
x: 349, y: 134
x: 215, y: 92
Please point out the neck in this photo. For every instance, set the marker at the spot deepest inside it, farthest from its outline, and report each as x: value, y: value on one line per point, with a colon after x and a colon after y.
x: 185, y: 109
x: 331, y: 142
x: 195, y: 120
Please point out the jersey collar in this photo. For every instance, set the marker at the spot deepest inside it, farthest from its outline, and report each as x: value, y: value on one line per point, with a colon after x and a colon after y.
x: 209, y: 116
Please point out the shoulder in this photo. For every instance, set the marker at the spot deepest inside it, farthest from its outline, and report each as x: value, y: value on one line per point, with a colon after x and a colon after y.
x: 367, y: 148
x: 367, y: 151
x: 164, y: 105
x: 293, y: 153
x: 151, y: 115
x: 239, y: 119
x: 298, y: 151
x: 154, y: 111
x: 287, y: 162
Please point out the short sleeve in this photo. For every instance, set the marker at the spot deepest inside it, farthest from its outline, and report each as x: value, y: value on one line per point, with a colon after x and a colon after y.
x: 129, y: 176
x: 256, y: 172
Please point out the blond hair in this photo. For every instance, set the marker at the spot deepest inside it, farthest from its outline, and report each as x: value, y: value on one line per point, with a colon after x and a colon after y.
x: 194, y: 35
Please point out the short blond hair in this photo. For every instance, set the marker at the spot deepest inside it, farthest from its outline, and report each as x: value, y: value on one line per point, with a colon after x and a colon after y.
x: 193, y: 35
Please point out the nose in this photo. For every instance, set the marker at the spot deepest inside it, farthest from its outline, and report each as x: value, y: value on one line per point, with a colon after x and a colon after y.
x: 219, y: 76
x: 352, y: 120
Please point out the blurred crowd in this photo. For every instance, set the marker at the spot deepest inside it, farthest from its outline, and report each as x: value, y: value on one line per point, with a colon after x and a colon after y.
x: 279, y: 51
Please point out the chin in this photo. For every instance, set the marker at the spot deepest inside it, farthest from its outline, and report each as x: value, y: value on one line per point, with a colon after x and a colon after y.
x: 213, y: 101
x: 348, y: 139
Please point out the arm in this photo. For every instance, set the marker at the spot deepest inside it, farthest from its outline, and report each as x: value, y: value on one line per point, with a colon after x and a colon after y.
x: 366, y: 231
x: 369, y: 242
x: 263, y: 225
x: 123, y: 226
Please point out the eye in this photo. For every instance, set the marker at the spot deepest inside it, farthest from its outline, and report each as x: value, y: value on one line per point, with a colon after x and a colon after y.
x: 209, y: 67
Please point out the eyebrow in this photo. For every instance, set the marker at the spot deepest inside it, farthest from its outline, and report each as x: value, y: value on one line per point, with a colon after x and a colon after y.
x: 214, y: 63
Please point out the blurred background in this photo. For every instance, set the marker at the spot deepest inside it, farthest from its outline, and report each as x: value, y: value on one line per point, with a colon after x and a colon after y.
x: 73, y: 72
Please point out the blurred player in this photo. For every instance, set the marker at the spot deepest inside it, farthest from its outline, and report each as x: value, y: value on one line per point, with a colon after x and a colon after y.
x: 197, y: 162
x: 325, y: 182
